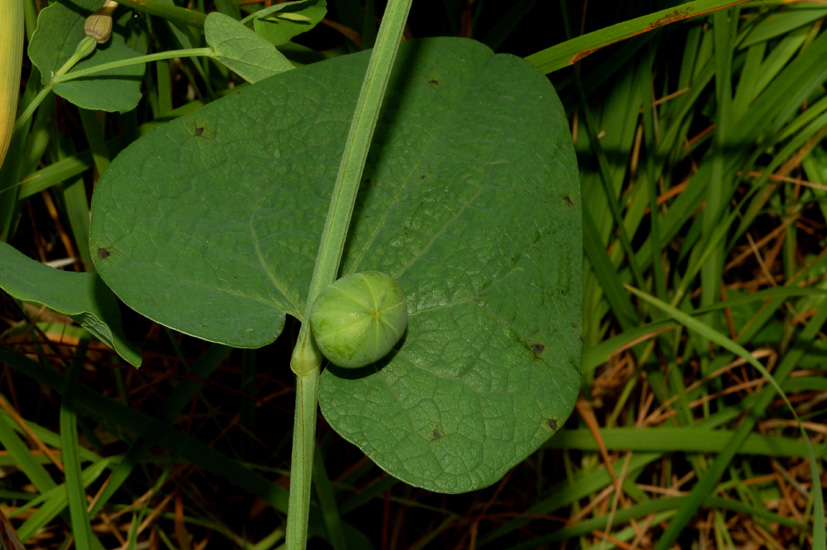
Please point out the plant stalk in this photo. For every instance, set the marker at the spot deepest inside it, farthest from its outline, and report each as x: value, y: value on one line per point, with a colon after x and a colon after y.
x: 306, y: 361
x: 84, y: 48
x: 301, y: 458
x: 173, y: 54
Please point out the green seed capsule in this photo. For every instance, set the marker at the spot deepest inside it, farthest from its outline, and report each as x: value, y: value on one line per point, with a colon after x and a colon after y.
x: 358, y: 319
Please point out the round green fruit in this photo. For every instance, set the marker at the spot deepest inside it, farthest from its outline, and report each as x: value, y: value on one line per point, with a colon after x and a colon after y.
x: 358, y: 319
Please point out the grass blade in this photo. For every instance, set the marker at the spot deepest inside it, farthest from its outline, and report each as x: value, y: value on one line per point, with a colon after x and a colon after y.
x: 707, y: 483
x: 572, y: 51
x: 69, y: 437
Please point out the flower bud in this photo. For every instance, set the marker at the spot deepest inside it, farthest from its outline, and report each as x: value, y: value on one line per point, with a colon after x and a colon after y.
x: 99, y: 24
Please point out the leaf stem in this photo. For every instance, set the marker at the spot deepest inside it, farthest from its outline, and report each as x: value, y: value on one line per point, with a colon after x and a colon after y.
x: 191, y: 52
x: 30, y: 108
x: 63, y: 74
x: 84, y: 48
x: 306, y: 361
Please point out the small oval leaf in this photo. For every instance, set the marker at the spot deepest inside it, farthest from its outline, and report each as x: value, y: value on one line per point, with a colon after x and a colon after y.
x: 242, y: 50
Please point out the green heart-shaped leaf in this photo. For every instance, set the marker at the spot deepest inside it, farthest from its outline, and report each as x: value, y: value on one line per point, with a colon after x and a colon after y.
x: 59, y: 29
x: 470, y: 200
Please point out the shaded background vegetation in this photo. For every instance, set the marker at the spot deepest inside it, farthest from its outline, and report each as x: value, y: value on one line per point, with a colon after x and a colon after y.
x: 714, y: 123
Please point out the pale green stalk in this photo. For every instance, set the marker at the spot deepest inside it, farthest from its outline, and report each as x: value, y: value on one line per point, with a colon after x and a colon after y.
x: 192, y: 52
x: 307, y: 361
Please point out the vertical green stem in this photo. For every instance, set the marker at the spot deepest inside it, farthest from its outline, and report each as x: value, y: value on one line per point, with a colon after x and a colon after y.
x: 356, y: 149
x: 301, y: 463
x: 307, y: 360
